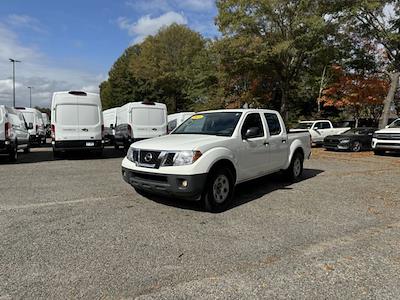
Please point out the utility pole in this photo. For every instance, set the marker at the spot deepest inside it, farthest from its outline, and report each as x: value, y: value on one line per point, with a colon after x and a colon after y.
x: 13, y: 62
x: 30, y: 96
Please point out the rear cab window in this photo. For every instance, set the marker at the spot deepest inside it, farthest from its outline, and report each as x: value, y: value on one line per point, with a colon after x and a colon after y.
x: 274, y: 126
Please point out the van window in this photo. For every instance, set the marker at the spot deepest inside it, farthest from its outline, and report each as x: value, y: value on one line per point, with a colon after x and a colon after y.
x: 148, y: 117
x: 66, y: 114
x: 88, y: 114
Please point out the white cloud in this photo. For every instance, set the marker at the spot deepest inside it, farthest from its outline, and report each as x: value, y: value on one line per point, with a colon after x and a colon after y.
x: 38, y: 71
x: 24, y: 21
x: 147, y: 25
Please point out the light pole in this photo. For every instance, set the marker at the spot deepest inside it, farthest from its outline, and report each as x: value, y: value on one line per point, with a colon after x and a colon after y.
x: 30, y: 95
x: 13, y: 62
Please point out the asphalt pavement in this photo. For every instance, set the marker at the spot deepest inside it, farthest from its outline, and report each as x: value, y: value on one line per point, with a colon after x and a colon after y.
x: 72, y: 228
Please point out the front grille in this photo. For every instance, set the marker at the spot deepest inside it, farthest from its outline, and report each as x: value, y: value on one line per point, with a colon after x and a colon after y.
x: 151, y: 177
x: 149, y: 157
x: 388, y: 136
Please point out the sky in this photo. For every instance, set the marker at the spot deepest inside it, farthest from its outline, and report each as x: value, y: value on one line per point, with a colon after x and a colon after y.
x: 71, y: 45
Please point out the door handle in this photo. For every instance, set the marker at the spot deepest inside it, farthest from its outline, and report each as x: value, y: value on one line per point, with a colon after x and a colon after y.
x: 85, y: 129
x: 266, y: 143
x: 284, y: 141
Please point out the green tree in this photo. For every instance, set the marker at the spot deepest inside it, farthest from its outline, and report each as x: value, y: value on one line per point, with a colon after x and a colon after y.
x: 267, y: 44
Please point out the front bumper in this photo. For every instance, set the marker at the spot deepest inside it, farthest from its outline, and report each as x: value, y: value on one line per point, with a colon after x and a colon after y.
x: 336, y: 146
x: 77, y: 145
x: 385, y: 145
x: 167, y: 184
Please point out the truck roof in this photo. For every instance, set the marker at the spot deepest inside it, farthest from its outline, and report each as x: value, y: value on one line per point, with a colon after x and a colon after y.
x: 259, y: 110
x: 313, y: 121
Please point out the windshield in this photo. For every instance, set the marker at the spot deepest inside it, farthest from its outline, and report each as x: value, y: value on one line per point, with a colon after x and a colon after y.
x: 29, y: 117
x: 221, y: 124
x: 304, y: 125
x: 395, y: 124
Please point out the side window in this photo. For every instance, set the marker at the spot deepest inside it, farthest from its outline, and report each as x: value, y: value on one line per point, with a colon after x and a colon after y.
x: 274, y: 126
x: 318, y: 125
x: 253, y: 120
x: 325, y: 125
x: 172, y: 125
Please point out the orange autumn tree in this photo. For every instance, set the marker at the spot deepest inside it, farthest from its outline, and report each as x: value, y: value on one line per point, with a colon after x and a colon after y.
x: 360, y: 95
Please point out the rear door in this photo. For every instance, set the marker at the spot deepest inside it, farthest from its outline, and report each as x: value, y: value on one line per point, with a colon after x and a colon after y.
x: 2, y: 124
x: 66, y: 120
x: 89, y: 118
x: 277, y: 142
x: 148, y: 122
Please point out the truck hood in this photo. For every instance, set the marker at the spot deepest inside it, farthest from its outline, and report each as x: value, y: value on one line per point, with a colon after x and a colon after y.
x: 389, y: 130
x: 180, y: 142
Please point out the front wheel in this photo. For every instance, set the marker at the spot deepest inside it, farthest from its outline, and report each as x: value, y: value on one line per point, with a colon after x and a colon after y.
x: 379, y: 152
x: 219, y: 190
x: 13, y: 155
x: 295, y: 170
x: 356, y: 146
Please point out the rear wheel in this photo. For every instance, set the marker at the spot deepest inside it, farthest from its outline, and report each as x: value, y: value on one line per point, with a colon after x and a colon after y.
x: 219, y: 190
x: 116, y: 147
x: 57, y: 154
x: 13, y: 155
x: 295, y: 170
x: 356, y: 146
x: 27, y: 149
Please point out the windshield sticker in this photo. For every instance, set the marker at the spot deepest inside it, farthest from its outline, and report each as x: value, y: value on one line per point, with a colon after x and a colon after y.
x: 197, y: 117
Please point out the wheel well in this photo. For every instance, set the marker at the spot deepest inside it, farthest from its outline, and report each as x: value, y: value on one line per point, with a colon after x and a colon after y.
x: 224, y: 163
x: 299, y: 150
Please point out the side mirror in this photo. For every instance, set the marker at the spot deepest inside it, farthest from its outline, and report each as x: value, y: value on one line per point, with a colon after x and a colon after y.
x: 316, y: 128
x: 252, y: 132
x: 387, y: 126
x: 30, y: 126
x: 111, y: 126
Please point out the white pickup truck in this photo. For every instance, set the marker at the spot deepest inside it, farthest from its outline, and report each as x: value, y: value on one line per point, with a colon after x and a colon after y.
x: 319, y: 130
x: 387, y: 139
x: 206, y: 156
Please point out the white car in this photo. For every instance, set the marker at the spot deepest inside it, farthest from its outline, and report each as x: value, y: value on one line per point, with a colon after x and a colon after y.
x: 387, y: 139
x: 76, y: 122
x: 175, y: 120
x: 213, y: 151
x: 110, y: 122
x: 140, y: 120
x: 319, y: 130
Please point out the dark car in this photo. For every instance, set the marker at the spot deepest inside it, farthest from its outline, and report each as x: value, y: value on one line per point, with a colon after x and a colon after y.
x: 355, y: 140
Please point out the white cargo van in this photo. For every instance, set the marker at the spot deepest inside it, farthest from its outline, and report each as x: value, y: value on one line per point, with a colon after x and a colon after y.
x: 76, y: 122
x: 14, y: 134
x: 110, y: 122
x: 138, y: 121
x: 34, y: 119
x: 177, y: 119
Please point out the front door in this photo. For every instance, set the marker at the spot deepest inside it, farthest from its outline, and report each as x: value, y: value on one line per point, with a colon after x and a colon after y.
x: 277, y: 143
x: 252, y: 152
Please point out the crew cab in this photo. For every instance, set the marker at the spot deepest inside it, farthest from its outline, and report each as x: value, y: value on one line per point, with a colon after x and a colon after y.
x: 319, y: 130
x: 207, y: 155
x: 387, y: 139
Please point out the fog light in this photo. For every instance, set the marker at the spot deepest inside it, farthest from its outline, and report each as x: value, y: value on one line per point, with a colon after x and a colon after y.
x: 7, y: 142
x: 184, y: 183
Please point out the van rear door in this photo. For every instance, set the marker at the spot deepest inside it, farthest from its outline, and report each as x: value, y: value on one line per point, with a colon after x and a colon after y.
x: 89, y: 117
x: 148, y: 122
x: 2, y: 124
x: 66, y: 122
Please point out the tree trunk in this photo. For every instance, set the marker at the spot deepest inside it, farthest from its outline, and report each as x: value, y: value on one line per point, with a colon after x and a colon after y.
x: 394, y: 82
x: 284, y: 110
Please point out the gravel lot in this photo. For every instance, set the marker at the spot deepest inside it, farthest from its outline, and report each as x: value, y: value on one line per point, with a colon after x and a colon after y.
x: 73, y: 229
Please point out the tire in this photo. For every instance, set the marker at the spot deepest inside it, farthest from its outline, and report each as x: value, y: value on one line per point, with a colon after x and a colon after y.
x: 295, y: 170
x: 13, y: 155
x: 99, y: 153
x: 57, y: 154
x: 356, y: 146
x: 219, y: 190
x: 379, y: 152
x: 27, y: 150
x: 116, y: 147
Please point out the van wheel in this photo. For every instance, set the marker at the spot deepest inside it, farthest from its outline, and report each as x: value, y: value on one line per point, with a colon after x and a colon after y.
x: 13, y: 155
x: 219, y: 190
x: 57, y: 154
x: 99, y: 153
x: 27, y: 150
x: 116, y: 147
x: 295, y: 170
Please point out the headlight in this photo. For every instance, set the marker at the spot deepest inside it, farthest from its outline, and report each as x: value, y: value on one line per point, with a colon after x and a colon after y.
x: 345, y: 141
x: 129, y: 155
x: 184, y: 158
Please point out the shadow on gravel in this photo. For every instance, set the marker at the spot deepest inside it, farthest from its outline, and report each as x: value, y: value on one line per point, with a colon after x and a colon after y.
x: 46, y: 154
x: 244, y: 193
